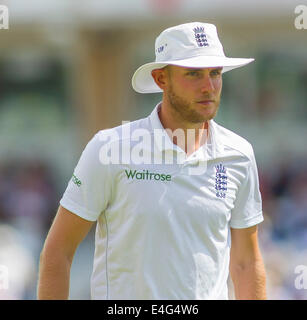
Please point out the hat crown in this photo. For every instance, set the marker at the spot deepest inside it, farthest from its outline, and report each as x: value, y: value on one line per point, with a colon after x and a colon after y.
x: 188, y: 40
x: 189, y: 45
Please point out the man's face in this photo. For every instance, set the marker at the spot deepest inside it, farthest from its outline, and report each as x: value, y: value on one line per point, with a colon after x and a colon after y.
x: 194, y: 93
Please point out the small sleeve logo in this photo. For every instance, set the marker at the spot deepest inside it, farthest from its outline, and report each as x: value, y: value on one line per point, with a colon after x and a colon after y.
x: 76, y: 181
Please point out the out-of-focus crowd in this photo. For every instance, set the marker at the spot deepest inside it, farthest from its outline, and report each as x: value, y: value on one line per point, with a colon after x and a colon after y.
x: 283, y: 234
x: 29, y: 200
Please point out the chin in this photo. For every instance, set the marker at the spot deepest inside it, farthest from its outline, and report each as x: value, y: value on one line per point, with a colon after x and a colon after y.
x: 209, y: 115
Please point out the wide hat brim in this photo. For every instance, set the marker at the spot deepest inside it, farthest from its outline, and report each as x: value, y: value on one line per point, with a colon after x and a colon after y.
x: 143, y: 82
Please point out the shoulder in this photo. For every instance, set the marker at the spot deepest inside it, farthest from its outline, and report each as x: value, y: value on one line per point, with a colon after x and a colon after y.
x: 233, y: 141
x: 110, y: 146
x: 122, y: 132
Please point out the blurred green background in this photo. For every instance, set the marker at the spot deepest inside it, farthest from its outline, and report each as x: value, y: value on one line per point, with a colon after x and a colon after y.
x: 65, y: 73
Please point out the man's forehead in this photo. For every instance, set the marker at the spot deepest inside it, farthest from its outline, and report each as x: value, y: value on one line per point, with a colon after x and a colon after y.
x: 171, y: 68
x: 195, y: 68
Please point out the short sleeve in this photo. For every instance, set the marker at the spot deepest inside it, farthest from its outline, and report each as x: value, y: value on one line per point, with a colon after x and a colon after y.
x: 88, y: 191
x: 247, y: 210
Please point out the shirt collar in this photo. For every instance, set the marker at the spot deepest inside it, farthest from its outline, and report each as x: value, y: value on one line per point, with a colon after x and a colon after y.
x: 159, y: 132
x: 210, y: 150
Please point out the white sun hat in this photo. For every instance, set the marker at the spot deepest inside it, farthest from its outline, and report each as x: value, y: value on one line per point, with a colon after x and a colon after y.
x: 191, y: 45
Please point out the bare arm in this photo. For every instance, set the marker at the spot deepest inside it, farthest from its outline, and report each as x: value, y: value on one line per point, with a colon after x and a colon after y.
x: 246, y: 265
x: 65, y: 234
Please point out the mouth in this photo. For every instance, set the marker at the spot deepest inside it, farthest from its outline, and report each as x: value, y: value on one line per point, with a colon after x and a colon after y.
x: 205, y: 102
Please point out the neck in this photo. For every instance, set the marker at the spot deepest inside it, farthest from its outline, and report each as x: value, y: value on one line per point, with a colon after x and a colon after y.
x: 186, y: 135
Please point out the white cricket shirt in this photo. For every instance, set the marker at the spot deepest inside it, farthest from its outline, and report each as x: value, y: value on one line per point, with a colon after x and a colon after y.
x: 163, y: 230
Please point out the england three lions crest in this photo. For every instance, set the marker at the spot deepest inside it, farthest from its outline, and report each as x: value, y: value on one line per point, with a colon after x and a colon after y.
x: 220, y: 181
x: 200, y: 37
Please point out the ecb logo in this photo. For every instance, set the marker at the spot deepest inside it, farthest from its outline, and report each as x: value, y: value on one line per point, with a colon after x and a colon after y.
x: 200, y: 37
x: 221, y: 181
x: 301, y: 20
x: 4, y: 17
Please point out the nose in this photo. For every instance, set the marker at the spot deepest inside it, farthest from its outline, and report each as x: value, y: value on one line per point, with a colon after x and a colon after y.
x: 207, y: 84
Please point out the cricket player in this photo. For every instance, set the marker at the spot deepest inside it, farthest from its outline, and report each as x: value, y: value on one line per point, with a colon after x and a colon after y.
x: 176, y: 213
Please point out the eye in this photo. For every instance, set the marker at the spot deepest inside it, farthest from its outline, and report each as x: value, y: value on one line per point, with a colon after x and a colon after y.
x: 216, y: 72
x: 192, y: 73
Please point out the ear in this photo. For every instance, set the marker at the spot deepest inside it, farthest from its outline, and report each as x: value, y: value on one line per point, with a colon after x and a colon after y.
x: 160, y: 77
